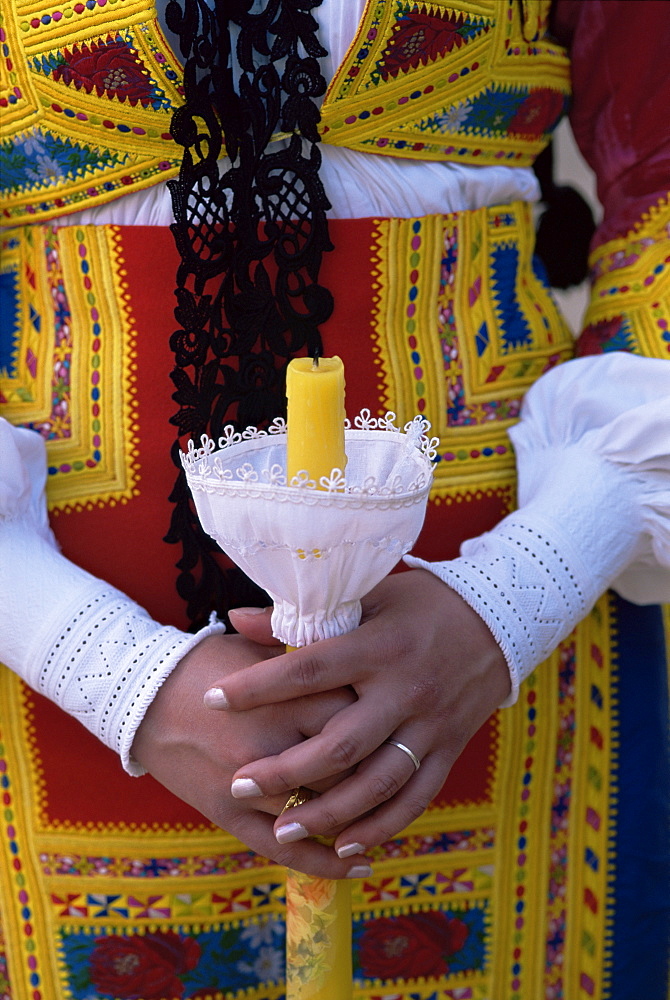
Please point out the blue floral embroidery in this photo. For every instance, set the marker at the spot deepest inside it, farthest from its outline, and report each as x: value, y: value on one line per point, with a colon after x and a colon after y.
x: 240, y: 957
x: 493, y: 110
x: 43, y: 159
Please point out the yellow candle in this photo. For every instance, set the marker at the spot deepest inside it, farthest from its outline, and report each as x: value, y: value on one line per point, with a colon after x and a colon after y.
x: 315, y: 440
x: 318, y: 911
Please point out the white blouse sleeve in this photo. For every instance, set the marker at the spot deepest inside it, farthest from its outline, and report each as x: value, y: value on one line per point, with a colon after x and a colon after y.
x: 593, y: 460
x: 72, y: 637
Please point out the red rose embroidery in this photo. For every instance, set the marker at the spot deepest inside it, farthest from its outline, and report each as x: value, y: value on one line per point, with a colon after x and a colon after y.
x: 419, y: 944
x: 143, y: 967
x: 419, y: 37
x: 538, y: 113
x: 111, y: 67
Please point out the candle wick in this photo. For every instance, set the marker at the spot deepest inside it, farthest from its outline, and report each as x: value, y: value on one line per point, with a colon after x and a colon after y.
x: 315, y: 361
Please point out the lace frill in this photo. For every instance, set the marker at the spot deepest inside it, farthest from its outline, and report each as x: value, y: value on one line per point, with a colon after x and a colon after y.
x: 316, y: 568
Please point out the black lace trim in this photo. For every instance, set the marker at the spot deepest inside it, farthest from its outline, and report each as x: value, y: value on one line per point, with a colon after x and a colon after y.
x: 250, y: 241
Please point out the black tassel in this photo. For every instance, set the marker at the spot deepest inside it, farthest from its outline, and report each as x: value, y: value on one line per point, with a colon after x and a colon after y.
x: 565, y: 228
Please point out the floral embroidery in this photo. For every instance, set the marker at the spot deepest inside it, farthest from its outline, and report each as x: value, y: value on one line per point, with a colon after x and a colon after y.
x: 419, y: 38
x: 109, y: 67
x: 494, y: 109
x: 91, y: 91
x: 394, y: 92
x: 147, y: 965
x: 451, y: 119
x: 540, y: 112
x: 48, y: 159
x: 420, y: 944
x: 165, y: 965
x: 607, y: 335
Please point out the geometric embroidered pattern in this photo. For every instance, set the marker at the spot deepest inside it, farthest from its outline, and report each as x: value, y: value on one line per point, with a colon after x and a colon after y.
x: 68, y: 338
x: 464, y: 342
x: 629, y: 308
x: 82, y: 121
x: 392, y: 95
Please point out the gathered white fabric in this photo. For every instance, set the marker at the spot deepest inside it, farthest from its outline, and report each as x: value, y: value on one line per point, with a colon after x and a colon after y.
x: 75, y: 639
x: 593, y: 458
x: 316, y: 548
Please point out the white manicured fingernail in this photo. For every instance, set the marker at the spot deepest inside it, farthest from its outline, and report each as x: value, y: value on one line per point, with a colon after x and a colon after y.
x: 289, y: 832
x: 359, y: 871
x: 245, y: 788
x: 216, y: 698
x: 348, y: 849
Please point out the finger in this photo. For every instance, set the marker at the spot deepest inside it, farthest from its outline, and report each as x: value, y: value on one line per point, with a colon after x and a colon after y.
x: 395, y: 815
x: 308, y: 856
x: 311, y: 715
x: 346, y: 739
x: 254, y: 623
x: 380, y: 778
x: 320, y: 667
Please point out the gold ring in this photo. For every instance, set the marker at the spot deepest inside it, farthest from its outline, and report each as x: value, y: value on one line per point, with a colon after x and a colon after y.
x: 297, y: 798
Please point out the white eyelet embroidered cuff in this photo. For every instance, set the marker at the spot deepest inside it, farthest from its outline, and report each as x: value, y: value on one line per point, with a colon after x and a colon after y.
x: 106, y: 663
x: 593, y: 452
x: 75, y: 639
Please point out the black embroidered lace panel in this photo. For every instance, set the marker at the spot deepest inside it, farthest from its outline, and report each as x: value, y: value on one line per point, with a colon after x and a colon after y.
x: 250, y: 239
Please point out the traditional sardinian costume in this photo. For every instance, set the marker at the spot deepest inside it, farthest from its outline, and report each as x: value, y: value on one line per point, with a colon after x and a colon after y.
x: 541, y: 869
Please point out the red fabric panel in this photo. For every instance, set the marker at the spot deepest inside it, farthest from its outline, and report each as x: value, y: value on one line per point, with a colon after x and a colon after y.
x: 123, y: 544
x: 621, y: 95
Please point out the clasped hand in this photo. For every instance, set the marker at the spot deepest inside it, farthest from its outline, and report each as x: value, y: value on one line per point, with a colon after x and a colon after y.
x: 422, y: 669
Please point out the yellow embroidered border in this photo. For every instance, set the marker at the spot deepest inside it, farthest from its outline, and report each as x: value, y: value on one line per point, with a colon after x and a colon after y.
x: 77, y: 391
x: 630, y: 298
x: 561, y: 915
x: 392, y: 113
x: 465, y: 340
x: 26, y: 382
x: 135, y: 134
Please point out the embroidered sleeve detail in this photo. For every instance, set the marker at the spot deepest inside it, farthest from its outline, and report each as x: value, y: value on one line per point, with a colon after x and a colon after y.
x: 81, y: 643
x: 106, y: 664
x: 528, y: 579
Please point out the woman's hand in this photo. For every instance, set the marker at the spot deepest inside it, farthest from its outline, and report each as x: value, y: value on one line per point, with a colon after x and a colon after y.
x: 195, y: 753
x: 427, y: 673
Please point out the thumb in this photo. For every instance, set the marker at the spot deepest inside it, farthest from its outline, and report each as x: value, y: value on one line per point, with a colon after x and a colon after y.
x: 254, y: 623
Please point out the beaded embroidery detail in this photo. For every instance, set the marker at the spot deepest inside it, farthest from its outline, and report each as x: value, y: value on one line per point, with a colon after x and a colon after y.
x: 76, y: 391
x: 392, y: 93
x: 465, y: 342
x: 629, y: 308
x: 86, y: 96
